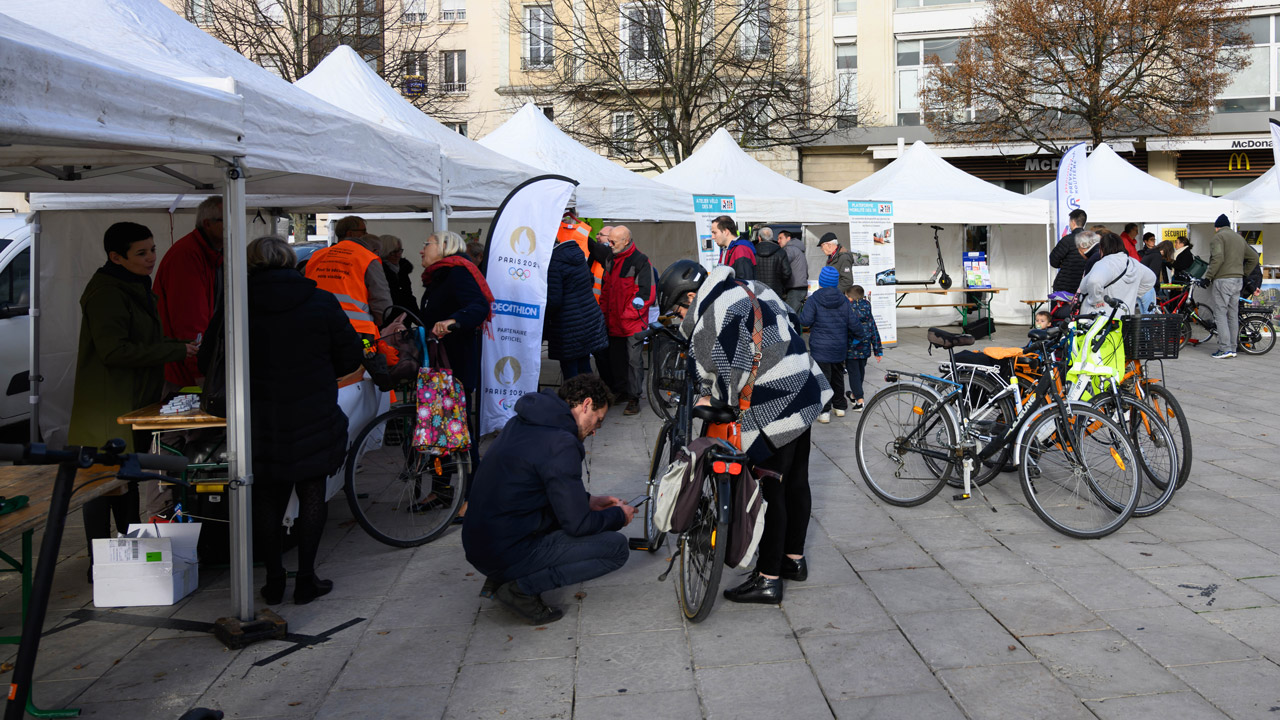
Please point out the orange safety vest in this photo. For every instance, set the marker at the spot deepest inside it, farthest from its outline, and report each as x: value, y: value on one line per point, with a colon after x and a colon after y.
x: 579, y: 232
x: 340, y: 269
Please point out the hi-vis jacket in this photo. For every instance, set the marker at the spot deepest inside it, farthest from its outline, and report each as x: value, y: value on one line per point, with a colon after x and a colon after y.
x: 345, y: 270
x: 579, y: 232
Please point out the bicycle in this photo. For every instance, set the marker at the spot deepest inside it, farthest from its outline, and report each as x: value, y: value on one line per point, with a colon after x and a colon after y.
x: 1068, y: 453
x: 1257, y: 333
x: 666, y: 374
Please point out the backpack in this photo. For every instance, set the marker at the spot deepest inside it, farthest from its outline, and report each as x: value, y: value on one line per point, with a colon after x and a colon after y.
x: 1198, y: 267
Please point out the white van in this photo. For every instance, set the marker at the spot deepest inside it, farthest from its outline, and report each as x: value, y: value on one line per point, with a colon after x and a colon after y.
x: 15, y: 324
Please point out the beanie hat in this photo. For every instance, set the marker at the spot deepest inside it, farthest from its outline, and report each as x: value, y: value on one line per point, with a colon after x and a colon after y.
x: 1222, y: 221
x: 829, y: 277
x: 828, y: 237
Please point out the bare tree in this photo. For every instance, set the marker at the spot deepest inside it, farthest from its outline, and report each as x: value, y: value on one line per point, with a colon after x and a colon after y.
x: 398, y: 38
x: 1052, y: 72
x: 650, y: 80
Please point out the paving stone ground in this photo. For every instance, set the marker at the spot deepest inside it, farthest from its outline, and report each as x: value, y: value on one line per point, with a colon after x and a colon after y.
x: 946, y: 610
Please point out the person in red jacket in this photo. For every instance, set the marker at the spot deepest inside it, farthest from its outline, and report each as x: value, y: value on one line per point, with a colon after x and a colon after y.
x: 627, y: 294
x: 736, y: 252
x: 187, y: 286
x: 1130, y: 238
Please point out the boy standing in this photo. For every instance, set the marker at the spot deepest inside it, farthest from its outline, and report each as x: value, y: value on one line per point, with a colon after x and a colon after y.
x: 861, y: 346
x: 830, y: 317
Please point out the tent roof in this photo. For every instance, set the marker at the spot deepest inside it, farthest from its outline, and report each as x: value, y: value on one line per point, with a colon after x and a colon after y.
x: 926, y: 188
x: 1118, y: 192
x: 477, y: 177
x: 1259, y: 201
x: 53, y: 118
x: 720, y: 167
x: 294, y: 143
x: 605, y: 188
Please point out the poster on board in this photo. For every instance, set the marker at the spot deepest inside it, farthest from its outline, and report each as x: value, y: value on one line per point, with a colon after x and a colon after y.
x: 705, y: 209
x: 977, y: 273
x: 872, y: 242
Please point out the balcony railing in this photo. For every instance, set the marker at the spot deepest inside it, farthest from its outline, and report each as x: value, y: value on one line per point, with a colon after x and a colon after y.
x: 456, y: 15
x: 536, y: 63
x: 453, y: 87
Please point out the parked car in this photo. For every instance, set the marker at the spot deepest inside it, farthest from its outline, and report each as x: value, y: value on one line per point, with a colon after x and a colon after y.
x: 15, y: 323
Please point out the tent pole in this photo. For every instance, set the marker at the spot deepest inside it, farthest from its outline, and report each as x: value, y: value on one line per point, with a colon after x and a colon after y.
x: 239, y: 431
x: 439, y: 218
x: 33, y: 374
x: 1048, y: 269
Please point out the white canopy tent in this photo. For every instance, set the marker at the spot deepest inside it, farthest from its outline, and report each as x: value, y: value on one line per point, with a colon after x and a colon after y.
x: 720, y: 167
x: 927, y: 190
x: 1258, y: 203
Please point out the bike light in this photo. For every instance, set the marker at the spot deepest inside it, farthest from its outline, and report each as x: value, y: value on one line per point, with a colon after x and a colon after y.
x: 735, y: 468
x: 891, y: 377
x: 718, y: 466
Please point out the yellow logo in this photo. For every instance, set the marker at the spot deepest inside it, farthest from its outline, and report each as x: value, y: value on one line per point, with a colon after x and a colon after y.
x: 523, y: 241
x: 1238, y: 161
x: 507, y: 370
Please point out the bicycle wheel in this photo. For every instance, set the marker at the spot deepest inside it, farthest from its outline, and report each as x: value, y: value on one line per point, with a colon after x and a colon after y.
x: 1079, y: 471
x: 658, y: 462
x: 666, y: 375
x: 1166, y: 405
x: 1157, y: 452
x: 702, y: 549
x: 987, y: 422
x: 401, y: 496
x: 1197, y: 327
x: 904, y: 441
x: 1257, y: 336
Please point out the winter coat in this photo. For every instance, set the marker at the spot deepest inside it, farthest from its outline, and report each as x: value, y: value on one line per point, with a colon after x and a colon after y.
x: 186, y: 288
x: 121, y: 356
x: 773, y: 267
x: 868, y: 344
x: 829, y: 315
x: 790, y: 389
x: 1229, y: 256
x: 400, y: 281
x: 300, y: 343
x: 575, y: 323
x: 1119, y: 276
x: 741, y: 256
x: 453, y: 294
x: 843, y: 262
x: 1070, y: 265
x: 799, y: 264
x: 1131, y: 246
x: 1182, y: 258
x: 1154, y: 261
x: 529, y: 484
x: 627, y: 276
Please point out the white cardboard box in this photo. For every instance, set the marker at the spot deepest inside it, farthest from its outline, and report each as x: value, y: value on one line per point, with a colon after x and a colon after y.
x: 144, y: 569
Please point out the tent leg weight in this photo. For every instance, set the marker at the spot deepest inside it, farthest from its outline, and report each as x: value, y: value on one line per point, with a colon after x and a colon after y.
x: 237, y: 634
x: 980, y: 328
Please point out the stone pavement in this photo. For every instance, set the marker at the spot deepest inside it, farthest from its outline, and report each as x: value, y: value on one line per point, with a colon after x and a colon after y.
x: 946, y: 610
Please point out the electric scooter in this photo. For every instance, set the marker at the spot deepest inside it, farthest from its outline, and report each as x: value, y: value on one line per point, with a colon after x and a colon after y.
x: 939, y: 275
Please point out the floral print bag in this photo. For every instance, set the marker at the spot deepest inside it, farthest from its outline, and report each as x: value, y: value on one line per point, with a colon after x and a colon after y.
x: 442, y: 407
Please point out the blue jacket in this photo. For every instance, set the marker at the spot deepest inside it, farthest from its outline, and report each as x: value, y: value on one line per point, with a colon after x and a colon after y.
x: 829, y: 314
x: 575, y: 323
x: 529, y: 484
x: 869, y: 343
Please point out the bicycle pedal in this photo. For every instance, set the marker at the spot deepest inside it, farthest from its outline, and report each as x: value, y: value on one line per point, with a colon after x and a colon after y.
x: 637, y: 544
x: 960, y: 496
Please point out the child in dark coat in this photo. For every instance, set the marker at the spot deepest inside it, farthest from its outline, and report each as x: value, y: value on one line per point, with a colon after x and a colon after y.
x: 861, y: 347
x: 830, y: 318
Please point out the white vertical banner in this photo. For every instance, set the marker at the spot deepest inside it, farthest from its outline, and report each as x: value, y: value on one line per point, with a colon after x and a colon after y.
x: 1072, y: 185
x: 705, y: 209
x: 872, y: 243
x: 1275, y: 143
x: 517, y: 253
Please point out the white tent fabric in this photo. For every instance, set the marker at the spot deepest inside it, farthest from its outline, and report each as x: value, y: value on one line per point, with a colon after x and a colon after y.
x: 1120, y: 192
x: 475, y: 176
x: 1257, y: 202
x: 720, y: 167
x: 605, y: 189
x: 925, y: 188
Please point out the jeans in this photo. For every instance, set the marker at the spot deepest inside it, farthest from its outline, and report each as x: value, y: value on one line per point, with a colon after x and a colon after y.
x: 1146, y: 301
x: 834, y: 373
x: 1226, y: 311
x: 559, y: 559
x: 626, y: 357
x: 795, y: 297
x: 786, y: 520
x: 857, y: 368
x: 576, y: 366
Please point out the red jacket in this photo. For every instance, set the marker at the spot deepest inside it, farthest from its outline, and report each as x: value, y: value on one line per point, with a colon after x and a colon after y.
x: 627, y: 275
x: 1130, y: 246
x: 186, y: 288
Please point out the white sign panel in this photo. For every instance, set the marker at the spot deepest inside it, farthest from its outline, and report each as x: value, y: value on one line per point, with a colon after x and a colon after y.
x: 872, y: 242
x: 705, y: 209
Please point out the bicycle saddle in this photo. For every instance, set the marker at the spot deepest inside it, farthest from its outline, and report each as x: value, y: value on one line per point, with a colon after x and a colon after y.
x: 714, y: 414
x: 942, y: 339
x: 1045, y: 335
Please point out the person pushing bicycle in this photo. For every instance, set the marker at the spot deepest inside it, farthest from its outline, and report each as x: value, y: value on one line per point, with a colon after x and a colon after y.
x: 741, y: 336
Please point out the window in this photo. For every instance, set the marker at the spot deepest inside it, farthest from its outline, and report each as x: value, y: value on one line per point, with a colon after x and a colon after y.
x: 903, y: 4
x: 624, y: 133
x: 455, y: 71
x: 912, y: 71
x: 754, y: 40
x: 846, y: 6
x: 641, y: 31
x: 272, y: 63
x: 415, y: 63
x: 272, y: 11
x: 415, y: 11
x: 200, y: 11
x: 458, y: 127
x: 537, y: 38
x: 453, y: 10
x: 662, y: 136
x: 847, y: 84
x: 1254, y: 89
x: 548, y: 111
x: 357, y: 23
x: 15, y: 286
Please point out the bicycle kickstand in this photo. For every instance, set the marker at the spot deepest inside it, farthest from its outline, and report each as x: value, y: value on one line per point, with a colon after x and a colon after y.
x: 670, y: 564
x: 968, y: 479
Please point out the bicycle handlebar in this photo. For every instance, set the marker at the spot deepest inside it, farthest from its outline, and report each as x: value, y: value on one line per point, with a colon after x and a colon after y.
x: 40, y: 454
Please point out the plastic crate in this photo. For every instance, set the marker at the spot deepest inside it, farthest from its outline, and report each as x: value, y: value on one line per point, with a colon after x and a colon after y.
x: 1152, y: 337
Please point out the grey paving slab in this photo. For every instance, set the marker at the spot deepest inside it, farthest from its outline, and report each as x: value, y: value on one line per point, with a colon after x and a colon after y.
x: 775, y: 690
x: 444, y: 604
x: 1051, y: 549
x: 1173, y: 524
x: 1245, y: 689
x: 1174, y: 635
x: 858, y: 518
x: 918, y: 590
x: 630, y: 608
x: 981, y: 567
x: 760, y: 634
x: 162, y: 667
x: 833, y: 610
x: 500, y: 636
x: 827, y: 566
x: 395, y: 658
x: 641, y: 662
x: 1036, y: 609
x: 1201, y: 588
x: 87, y: 650
x: 1025, y: 691
x: 1260, y: 627
x: 1181, y: 705
x: 961, y: 638
x: 882, y: 551
x: 1107, y: 587
x: 951, y: 532
x: 1102, y: 664
x: 1269, y: 585
x: 161, y: 708
x: 419, y: 702
x: 293, y: 686
x: 1013, y: 517
x: 1235, y: 557
x: 534, y: 689
x: 640, y: 706
x: 866, y: 664
x: 932, y: 705
x: 642, y: 568
x: 1134, y: 548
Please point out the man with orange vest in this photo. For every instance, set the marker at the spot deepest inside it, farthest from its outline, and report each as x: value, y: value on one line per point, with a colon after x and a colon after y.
x: 572, y: 228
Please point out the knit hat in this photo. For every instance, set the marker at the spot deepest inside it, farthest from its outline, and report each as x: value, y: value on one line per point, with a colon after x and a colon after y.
x: 829, y: 277
x: 1222, y: 221
x: 828, y: 237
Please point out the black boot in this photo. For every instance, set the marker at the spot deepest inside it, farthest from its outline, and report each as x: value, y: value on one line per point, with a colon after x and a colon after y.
x: 273, y: 591
x: 308, y: 588
x: 794, y: 569
x: 529, y: 607
x: 757, y: 589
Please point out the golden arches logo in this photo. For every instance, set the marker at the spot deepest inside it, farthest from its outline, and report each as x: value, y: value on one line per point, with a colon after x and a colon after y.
x: 1238, y: 161
x: 524, y: 241
x: 507, y: 370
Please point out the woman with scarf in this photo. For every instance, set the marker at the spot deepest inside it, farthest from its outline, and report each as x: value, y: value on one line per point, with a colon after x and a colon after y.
x: 120, y: 361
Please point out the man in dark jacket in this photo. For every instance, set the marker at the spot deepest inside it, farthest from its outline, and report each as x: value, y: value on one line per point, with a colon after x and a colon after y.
x: 773, y: 267
x: 798, y: 289
x: 531, y: 525
x: 839, y: 258
x: 1066, y: 258
x: 575, y: 324
x: 625, y: 298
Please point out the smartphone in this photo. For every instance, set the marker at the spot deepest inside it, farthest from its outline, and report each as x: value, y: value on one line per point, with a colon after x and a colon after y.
x: 639, y: 501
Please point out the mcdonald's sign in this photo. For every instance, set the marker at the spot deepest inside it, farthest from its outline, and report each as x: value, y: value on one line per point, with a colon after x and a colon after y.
x: 1238, y: 161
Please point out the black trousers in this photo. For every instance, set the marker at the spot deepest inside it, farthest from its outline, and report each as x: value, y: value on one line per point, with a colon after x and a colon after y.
x: 834, y: 373
x: 270, y: 498
x: 786, y: 521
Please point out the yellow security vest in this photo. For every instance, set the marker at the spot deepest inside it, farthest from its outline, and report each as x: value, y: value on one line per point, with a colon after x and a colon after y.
x: 340, y: 270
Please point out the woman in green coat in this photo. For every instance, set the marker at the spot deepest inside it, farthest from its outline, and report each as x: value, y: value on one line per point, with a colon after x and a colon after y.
x: 120, y: 363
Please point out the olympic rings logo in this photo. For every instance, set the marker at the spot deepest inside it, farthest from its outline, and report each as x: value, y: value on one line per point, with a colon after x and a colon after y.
x: 520, y: 273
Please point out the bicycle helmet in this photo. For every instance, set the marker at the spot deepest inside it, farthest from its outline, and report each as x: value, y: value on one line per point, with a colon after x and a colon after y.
x: 680, y: 277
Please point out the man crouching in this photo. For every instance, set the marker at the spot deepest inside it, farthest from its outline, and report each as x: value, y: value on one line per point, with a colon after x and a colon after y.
x: 531, y: 526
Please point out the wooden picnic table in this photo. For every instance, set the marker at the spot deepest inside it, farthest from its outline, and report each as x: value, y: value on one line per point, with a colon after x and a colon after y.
x: 978, y: 301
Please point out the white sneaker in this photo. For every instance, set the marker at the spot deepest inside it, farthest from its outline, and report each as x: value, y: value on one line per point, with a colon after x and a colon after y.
x: 839, y: 413
x: 824, y: 418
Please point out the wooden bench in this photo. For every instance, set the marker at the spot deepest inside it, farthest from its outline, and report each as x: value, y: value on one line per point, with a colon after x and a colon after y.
x: 967, y: 306
x: 1033, y: 305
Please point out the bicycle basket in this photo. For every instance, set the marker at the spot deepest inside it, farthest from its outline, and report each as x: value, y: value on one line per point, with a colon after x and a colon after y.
x: 1152, y: 337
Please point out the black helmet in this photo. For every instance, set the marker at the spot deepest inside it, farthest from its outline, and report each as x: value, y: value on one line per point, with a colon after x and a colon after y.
x: 680, y: 278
